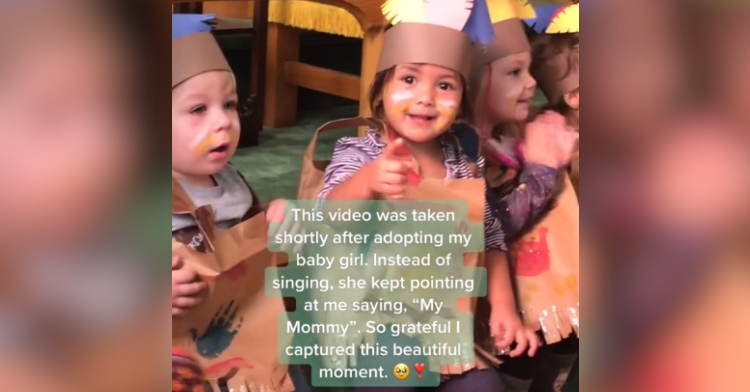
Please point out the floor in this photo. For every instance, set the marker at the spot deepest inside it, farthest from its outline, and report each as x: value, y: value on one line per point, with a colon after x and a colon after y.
x: 273, y: 167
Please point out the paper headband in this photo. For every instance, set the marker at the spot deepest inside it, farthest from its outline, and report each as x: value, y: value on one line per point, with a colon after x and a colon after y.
x: 194, y: 49
x: 437, y: 32
x: 510, y: 36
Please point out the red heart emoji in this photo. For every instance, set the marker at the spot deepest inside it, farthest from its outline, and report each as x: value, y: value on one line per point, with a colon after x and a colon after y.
x: 419, y: 367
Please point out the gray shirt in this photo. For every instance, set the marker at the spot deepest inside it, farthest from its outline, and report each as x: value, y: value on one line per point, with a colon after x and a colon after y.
x: 230, y: 200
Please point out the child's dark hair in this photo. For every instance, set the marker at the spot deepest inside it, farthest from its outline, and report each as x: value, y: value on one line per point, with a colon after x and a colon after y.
x: 554, y: 58
x: 381, y: 78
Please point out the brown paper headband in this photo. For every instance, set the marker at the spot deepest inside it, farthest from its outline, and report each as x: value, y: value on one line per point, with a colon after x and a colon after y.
x: 510, y: 38
x: 195, y: 54
x: 421, y: 43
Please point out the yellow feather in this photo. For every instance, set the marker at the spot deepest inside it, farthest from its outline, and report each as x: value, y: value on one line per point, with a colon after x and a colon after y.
x: 524, y: 9
x: 502, y: 10
x: 400, y: 11
x: 567, y: 21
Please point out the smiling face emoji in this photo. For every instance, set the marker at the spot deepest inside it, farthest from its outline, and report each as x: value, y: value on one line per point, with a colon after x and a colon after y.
x: 401, y: 371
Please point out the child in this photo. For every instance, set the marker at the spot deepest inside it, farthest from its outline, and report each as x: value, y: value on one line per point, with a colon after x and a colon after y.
x: 555, y: 65
x: 504, y: 89
x: 418, y: 92
x: 217, y: 240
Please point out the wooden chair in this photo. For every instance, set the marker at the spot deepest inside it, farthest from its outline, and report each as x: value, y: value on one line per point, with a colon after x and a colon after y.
x: 286, y: 73
x: 252, y: 125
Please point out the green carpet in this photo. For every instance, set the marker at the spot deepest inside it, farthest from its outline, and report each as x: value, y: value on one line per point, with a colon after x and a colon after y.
x: 273, y: 167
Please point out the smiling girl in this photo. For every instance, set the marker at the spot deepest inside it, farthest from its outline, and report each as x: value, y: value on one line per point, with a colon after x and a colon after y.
x: 418, y: 93
x: 503, y: 90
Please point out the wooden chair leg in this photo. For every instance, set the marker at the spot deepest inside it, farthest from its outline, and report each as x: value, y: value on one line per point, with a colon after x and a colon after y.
x: 281, y: 97
x: 252, y: 125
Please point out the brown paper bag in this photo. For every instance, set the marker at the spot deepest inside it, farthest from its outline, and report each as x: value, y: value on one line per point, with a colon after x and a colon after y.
x: 473, y: 191
x: 546, y: 266
x: 311, y: 177
x: 234, y: 332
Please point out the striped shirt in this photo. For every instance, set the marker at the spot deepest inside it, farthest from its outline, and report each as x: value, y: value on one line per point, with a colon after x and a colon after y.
x: 352, y: 153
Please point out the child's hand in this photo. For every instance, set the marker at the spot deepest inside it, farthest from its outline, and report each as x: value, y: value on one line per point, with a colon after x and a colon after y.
x: 506, y: 327
x: 549, y: 141
x: 390, y: 171
x: 280, y: 222
x: 187, y: 289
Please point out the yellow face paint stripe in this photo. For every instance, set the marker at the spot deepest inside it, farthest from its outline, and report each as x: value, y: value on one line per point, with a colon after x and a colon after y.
x: 201, y: 146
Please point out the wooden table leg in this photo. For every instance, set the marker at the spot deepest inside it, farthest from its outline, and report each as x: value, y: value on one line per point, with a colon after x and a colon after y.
x: 372, y: 43
x: 281, y: 97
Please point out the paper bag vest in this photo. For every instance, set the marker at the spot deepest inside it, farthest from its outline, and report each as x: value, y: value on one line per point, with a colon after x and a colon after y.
x: 545, y: 264
x: 233, y: 333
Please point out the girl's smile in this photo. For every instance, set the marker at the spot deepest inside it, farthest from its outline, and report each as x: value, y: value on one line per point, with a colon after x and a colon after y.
x: 422, y: 120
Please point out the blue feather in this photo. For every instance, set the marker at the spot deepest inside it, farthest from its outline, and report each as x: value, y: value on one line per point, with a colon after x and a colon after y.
x: 544, y: 13
x: 185, y: 24
x: 479, y: 27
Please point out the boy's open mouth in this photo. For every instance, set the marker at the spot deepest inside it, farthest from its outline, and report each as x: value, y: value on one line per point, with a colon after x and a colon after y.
x: 221, y: 149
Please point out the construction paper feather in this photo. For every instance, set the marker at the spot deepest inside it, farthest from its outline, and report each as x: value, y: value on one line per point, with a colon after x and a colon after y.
x: 447, y: 13
x: 479, y: 27
x: 185, y: 24
x: 544, y: 15
x: 403, y: 11
x: 524, y: 9
x: 502, y: 10
x: 566, y: 20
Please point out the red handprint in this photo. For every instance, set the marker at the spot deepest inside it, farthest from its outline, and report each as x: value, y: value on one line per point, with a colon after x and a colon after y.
x: 532, y: 256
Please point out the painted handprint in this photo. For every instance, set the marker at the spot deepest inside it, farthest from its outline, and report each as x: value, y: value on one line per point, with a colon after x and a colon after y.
x: 220, y: 332
x: 533, y: 255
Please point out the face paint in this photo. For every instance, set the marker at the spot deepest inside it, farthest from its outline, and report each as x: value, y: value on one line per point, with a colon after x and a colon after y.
x: 448, y: 112
x: 203, y: 143
x: 401, y: 100
x: 513, y: 104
